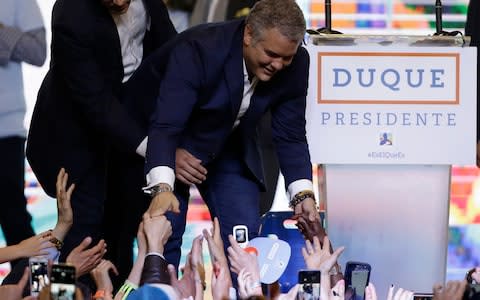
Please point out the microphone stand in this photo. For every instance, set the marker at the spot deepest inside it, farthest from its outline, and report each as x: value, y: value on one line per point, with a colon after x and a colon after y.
x: 328, y: 21
x: 438, y: 18
x: 438, y: 22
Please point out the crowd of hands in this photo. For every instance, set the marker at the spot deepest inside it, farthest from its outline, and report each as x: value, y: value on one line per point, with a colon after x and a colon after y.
x: 153, y: 233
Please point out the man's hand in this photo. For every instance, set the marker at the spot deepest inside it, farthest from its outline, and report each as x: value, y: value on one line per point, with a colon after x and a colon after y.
x: 163, y: 202
x: 188, y: 168
x: 85, y: 259
x: 308, y: 209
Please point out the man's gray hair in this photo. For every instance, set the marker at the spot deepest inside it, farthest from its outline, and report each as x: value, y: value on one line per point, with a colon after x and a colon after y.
x: 284, y: 15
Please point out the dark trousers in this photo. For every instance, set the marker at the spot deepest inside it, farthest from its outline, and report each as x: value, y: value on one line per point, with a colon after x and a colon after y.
x: 230, y: 193
x: 124, y: 207
x: 14, y: 217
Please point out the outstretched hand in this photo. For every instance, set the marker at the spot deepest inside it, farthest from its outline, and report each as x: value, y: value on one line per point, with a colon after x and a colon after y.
x: 85, y: 259
x: 64, y: 207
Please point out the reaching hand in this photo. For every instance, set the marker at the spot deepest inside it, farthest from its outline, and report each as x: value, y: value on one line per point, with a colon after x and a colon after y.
x: 370, y: 292
x: 474, y: 275
x: 308, y: 209
x: 141, y: 240
x: 454, y: 290
x: 247, y: 285
x: 64, y: 207
x: 215, y: 244
x: 240, y: 259
x: 319, y: 258
x: 188, y: 168
x: 157, y: 231
x: 101, y: 276
x: 221, y: 281
x: 338, y: 291
x: 291, y: 295
x: 14, y: 291
x: 85, y: 259
x: 400, y: 294
x: 186, y: 286
x: 35, y: 245
x: 163, y: 202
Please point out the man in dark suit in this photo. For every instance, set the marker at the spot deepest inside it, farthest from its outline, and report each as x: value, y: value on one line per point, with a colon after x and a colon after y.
x: 472, y: 29
x: 79, y: 122
x: 219, y: 80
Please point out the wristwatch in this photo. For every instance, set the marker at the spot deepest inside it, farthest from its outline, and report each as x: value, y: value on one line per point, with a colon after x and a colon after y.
x: 159, y: 188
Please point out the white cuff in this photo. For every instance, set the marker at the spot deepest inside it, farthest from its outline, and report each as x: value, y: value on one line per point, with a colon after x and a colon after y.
x: 298, y: 186
x: 156, y: 254
x: 142, y: 148
x: 161, y: 174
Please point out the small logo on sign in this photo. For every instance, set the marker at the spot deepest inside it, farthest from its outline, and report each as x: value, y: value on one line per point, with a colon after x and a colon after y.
x: 386, y: 139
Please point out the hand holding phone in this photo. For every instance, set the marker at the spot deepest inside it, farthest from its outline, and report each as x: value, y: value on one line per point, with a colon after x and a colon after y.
x: 309, y: 281
x: 240, y: 233
x: 357, y: 277
x: 38, y: 274
x: 63, y: 282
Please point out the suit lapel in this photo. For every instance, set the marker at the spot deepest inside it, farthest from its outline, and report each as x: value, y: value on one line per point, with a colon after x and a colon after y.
x: 233, y: 71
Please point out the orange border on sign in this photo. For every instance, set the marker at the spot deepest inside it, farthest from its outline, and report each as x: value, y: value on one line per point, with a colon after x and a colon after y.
x: 449, y: 102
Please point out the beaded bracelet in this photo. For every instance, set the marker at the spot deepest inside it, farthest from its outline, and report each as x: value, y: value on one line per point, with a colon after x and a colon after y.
x: 300, y: 196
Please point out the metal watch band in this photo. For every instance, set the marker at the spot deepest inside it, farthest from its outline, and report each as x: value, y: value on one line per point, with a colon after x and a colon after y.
x: 159, y: 188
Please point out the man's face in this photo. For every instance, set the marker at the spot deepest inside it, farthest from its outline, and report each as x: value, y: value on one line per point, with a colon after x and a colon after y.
x: 269, y: 54
x: 116, y: 6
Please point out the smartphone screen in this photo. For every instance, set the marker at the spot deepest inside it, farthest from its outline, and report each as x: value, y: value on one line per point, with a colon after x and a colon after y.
x: 309, y: 281
x: 357, y: 276
x: 422, y: 296
x: 63, y: 282
x: 38, y: 275
x: 240, y: 232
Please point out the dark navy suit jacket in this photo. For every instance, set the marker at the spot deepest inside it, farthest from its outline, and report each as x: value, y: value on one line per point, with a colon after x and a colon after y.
x: 78, y: 111
x: 200, y: 94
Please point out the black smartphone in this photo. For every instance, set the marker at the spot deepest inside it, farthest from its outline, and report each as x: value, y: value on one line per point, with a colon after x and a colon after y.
x: 63, y: 282
x: 38, y: 274
x: 357, y: 277
x: 422, y: 296
x: 309, y: 281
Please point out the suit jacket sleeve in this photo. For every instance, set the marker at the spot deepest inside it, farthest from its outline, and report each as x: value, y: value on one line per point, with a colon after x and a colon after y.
x: 288, y: 122
x: 177, y: 98
x: 87, y: 80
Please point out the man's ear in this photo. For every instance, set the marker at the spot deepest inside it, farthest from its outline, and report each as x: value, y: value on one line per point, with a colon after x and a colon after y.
x: 247, y: 35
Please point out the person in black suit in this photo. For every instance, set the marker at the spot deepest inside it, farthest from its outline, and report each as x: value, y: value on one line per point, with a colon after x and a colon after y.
x: 79, y: 122
x: 472, y: 29
x: 220, y: 79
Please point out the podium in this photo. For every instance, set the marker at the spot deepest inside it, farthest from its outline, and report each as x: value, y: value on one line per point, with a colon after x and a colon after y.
x: 388, y: 116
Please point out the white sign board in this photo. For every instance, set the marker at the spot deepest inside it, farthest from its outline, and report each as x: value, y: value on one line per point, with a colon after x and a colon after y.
x: 395, y: 105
